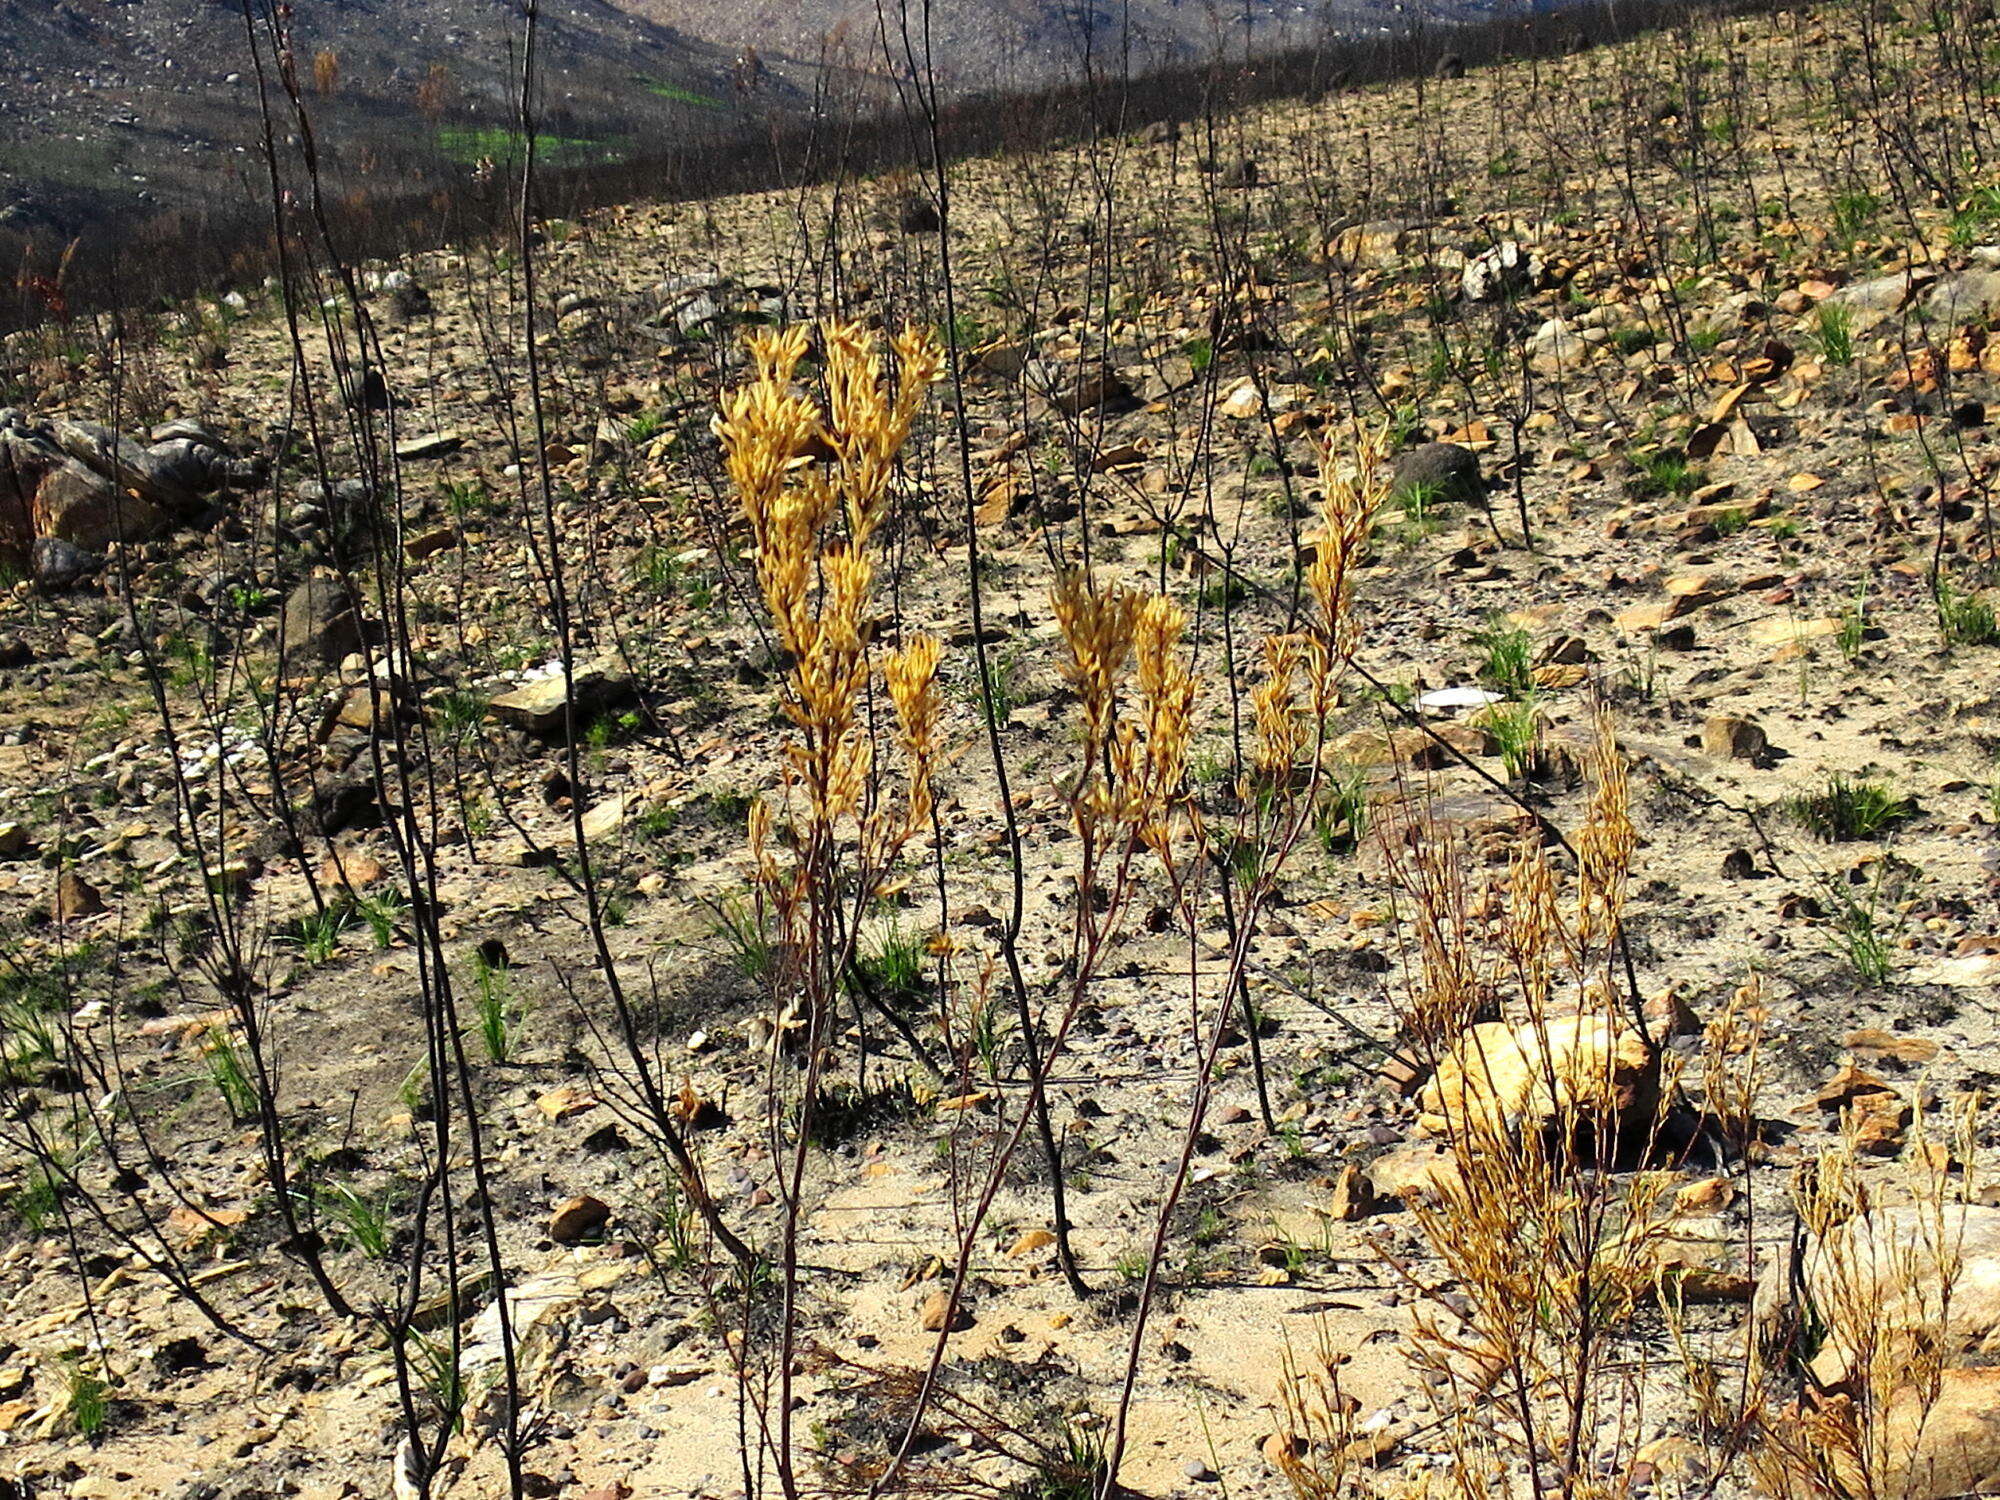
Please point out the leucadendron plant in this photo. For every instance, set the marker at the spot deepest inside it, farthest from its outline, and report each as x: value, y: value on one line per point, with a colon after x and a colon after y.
x: 814, y: 473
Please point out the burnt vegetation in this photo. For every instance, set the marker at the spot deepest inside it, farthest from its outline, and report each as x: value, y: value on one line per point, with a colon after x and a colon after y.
x: 1277, y: 774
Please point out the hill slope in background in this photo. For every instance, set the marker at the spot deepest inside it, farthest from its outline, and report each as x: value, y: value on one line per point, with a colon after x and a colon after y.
x: 1020, y: 43
x: 111, y: 111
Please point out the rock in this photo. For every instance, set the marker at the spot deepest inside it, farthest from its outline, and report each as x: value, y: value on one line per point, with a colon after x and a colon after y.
x: 76, y: 898
x: 1029, y: 1242
x: 605, y: 818
x: 1283, y: 1448
x: 1898, y: 1047
x: 321, y: 622
x: 1848, y: 1084
x: 1498, y: 1078
x: 1556, y: 346
x: 1937, y: 1442
x: 1441, y: 472
x: 356, y: 868
x: 351, y: 802
x: 344, y: 495
x: 1507, y: 270
x: 192, y: 464
x: 537, y: 1311
x: 1729, y: 738
x: 1385, y: 747
x: 697, y: 313
x: 1673, y: 1456
x: 1739, y: 864
x: 918, y: 215
x: 429, y: 445
x: 59, y: 564
x: 1873, y: 300
x: 579, y: 1219
x: 1970, y: 296
x: 417, y: 548
x: 119, y: 458
x: 1352, y: 1197
x: 1698, y: 1257
x: 1242, y: 403
x: 25, y: 461
x: 14, y: 841
x: 1904, y: 1287
x: 1411, y: 1173
x: 539, y: 706
x: 369, y: 708
x: 1072, y: 392
x: 1874, y: 1123
x: 1699, y: 517
x: 1380, y: 242
x: 937, y: 1310
x: 77, y: 505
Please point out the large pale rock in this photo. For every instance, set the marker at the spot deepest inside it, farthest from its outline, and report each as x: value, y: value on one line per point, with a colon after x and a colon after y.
x: 1898, y: 1290
x: 539, y: 1313
x: 121, y: 459
x: 1380, y: 242
x: 1869, y: 302
x: 1557, y: 346
x: 1969, y: 296
x: 1500, y: 1079
x: 538, y: 706
x: 1412, y: 1173
x: 1878, y: 1284
x: 77, y: 505
x: 1728, y: 737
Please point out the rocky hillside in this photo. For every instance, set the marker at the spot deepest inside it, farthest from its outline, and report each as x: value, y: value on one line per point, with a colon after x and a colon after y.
x: 1317, y: 822
x: 113, y: 111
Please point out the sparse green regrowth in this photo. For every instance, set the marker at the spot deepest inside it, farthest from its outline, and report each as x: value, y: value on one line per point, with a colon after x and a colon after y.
x: 317, y: 933
x: 1343, y: 813
x: 679, y: 94
x: 86, y: 1397
x: 1833, y: 334
x: 470, y: 145
x: 496, y: 1010
x: 1853, y: 214
x: 384, y: 913
x: 740, y: 928
x: 1847, y: 809
x: 229, y: 1072
x: 1863, y: 924
x: 1506, y: 663
x: 357, y: 1220
x: 1516, y: 728
x: 434, y: 1371
x: 1853, y: 632
x: 893, y: 968
x: 1664, y: 473
x: 1964, y: 619
x: 1977, y: 218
